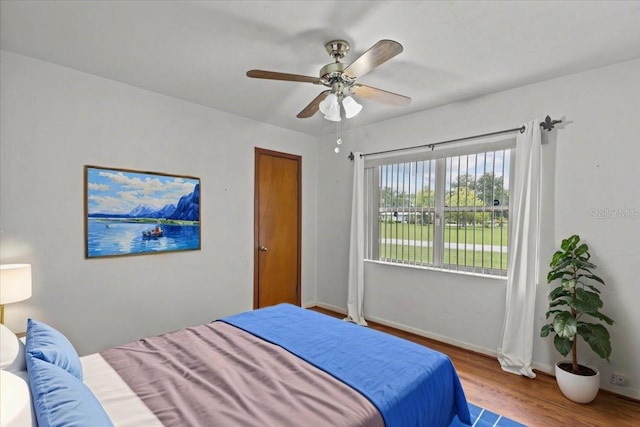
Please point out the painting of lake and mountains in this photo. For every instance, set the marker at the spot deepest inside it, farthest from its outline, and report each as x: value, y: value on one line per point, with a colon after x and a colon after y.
x: 135, y: 213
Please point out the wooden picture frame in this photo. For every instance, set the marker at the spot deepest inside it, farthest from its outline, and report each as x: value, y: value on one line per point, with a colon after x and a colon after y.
x: 130, y: 212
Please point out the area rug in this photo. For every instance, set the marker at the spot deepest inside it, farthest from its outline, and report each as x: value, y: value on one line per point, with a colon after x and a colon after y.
x: 481, y: 417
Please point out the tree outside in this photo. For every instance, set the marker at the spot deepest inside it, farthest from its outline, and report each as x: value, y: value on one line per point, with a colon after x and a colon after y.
x: 463, y: 197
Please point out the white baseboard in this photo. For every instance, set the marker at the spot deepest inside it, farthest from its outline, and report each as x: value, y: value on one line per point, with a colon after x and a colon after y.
x: 332, y: 308
x: 544, y: 368
x: 436, y: 337
x: 415, y: 331
x: 628, y: 392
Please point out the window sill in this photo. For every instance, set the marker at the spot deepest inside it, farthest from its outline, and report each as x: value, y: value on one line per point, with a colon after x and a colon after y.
x: 436, y: 269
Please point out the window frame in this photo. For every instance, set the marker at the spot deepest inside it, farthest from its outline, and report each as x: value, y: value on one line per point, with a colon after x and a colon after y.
x: 440, y: 155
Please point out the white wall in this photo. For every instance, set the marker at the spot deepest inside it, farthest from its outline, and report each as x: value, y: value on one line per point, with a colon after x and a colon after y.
x: 55, y: 120
x: 590, y: 165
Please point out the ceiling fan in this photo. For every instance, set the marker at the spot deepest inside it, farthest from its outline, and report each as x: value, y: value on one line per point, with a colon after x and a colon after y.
x: 341, y: 80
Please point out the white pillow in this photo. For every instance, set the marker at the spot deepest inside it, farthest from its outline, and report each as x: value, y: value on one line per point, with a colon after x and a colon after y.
x: 12, y: 357
x: 16, y: 409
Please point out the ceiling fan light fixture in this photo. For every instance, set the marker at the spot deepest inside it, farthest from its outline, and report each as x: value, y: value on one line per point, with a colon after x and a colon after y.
x: 330, y: 107
x: 328, y: 104
x: 351, y: 107
x: 333, y: 115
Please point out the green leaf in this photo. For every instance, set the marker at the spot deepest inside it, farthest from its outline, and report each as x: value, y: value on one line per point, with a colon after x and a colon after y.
x: 556, y: 258
x: 581, y: 271
x: 550, y: 312
x: 558, y: 302
x: 570, y: 244
x: 585, y: 256
x: 563, y: 345
x: 582, y: 265
x: 593, y: 288
x: 544, y: 332
x: 592, y: 277
x: 583, y: 248
x: 602, y: 317
x: 586, y: 301
x: 562, y: 264
x: 553, y: 275
x: 558, y: 292
x: 597, y: 337
x: 565, y: 325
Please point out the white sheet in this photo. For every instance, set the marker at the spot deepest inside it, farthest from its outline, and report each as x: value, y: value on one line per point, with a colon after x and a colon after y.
x: 118, y: 400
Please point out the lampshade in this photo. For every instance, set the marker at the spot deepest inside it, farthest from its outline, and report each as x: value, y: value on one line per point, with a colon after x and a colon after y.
x: 333, y: 115
x: 15, y: 282
x: 331, y: 101
x: 351, y: 107
x: 330, y: 108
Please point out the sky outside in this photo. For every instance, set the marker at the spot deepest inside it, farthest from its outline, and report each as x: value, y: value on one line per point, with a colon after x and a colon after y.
x: 411, y: 177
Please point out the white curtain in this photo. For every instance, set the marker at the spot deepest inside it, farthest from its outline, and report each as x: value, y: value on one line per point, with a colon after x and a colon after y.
x: 355, y: 298
x: 516, y: 347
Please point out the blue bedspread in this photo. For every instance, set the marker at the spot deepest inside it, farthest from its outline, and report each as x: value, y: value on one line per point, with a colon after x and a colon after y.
x: 410, y: 384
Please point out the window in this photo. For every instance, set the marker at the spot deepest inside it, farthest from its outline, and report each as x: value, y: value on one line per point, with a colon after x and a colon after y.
x: 441, y: 209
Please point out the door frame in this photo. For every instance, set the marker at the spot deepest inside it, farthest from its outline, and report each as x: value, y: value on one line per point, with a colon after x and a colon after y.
x: 256, y: 223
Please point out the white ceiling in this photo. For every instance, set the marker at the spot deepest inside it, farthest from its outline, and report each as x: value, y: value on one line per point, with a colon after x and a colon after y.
x: 200, y: 50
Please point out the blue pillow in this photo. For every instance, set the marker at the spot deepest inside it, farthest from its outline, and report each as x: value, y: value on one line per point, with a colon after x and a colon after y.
x: 60, y: 399
x: 46, y: 343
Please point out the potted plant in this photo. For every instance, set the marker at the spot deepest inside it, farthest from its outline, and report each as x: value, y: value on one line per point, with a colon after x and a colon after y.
x: 574, y: 307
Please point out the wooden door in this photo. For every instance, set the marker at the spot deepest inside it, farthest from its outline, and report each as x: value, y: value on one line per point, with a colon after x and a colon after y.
x: 277, y: 228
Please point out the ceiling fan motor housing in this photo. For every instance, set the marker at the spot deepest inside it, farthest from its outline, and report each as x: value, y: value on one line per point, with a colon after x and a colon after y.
x: 332, y: 75
x: 332, y: 71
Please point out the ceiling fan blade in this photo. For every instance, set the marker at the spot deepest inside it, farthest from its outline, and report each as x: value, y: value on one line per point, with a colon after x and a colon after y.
x: 377, y: 55
x: 380, y: 95
x: 313, y: 106
x: 273, y: 75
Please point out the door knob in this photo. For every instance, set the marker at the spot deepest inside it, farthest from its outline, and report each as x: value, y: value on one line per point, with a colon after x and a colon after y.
x: 263, y: 248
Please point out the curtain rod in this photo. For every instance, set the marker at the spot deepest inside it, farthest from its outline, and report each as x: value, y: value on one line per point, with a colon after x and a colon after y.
x: 547, y: 125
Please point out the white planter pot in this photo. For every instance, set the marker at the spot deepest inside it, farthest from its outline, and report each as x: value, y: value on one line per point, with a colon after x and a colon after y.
x: 579, y: 388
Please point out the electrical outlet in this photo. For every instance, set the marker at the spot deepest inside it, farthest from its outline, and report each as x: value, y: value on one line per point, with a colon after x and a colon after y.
x: 617, y: 379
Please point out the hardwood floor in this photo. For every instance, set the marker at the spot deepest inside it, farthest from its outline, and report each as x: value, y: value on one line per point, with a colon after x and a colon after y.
x: 533, y: 402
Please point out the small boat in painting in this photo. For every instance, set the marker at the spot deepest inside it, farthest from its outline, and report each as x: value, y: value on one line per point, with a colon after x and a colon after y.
x: 153, y: 233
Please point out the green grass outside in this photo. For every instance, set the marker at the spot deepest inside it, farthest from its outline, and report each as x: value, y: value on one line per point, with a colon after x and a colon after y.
x: 422, y: 255
x: 469, y: 234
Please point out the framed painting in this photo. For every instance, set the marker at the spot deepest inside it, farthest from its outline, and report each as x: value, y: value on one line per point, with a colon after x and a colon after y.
x: 130, y: 212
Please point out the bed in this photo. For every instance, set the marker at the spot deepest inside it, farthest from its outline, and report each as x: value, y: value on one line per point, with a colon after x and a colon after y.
x: 276, y: 366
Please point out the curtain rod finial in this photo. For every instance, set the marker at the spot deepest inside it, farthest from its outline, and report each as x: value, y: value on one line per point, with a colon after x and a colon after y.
x: 350, y: 156
x: 549, y: 124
